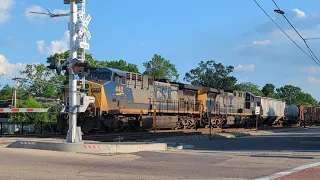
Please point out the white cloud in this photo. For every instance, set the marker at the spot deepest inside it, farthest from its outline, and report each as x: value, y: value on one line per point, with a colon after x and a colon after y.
x: 261, y: 43
x: 300, y: 14
x: 313, y: 80
x: 35, y: 8
x: 58, y: 46
x: 7, y: 68
x: 249, y: 67
x: 5, y: 5
x: 311, y: 69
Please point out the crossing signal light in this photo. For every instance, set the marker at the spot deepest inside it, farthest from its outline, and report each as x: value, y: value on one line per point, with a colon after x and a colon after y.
x: 75, y: 69
x: 82, y: 69
x: 58, y: 67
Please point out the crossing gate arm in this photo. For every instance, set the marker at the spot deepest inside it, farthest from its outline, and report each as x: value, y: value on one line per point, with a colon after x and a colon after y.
x: 23, y: 110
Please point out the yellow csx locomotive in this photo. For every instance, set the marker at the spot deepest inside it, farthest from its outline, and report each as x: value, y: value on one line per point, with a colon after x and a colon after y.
x: 121, y: 96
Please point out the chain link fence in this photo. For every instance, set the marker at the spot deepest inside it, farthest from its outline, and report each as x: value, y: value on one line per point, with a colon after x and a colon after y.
x: 7, y: 128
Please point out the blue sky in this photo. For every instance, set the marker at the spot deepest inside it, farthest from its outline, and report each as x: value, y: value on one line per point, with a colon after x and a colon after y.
x: 232, y: 32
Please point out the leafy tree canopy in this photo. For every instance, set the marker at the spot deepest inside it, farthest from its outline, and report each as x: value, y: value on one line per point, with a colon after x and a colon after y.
x: 294, y: 95
x: 269, y: 90
x: 65, y: 55
x: 6, y: 92
x: 248, y: 87
x: 43, y: 82
x: 161, y: 68
x: 211, y: 74
x: 121, y: 64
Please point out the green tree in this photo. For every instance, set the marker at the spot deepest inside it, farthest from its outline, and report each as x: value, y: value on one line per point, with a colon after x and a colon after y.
x: 161, y: 68
x: 294, y: 95
x: 65, y: 55
x: 305, y: 99
x: 43, y: 82
x: 269, y: 90
x: 122, y: 65
x: 248, y: 87
x: 6, y: 92
x: 288, y: 93
x: 211, y: 74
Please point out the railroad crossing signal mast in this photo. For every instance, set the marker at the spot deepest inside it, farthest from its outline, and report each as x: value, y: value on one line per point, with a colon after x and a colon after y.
x: 77, y: 40
x: 75, y: 65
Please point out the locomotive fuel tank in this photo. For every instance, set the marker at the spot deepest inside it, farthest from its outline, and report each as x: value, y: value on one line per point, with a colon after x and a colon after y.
x: 162, y: 122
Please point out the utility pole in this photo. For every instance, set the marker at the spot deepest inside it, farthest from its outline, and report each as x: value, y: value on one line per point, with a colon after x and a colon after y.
x: 14, y: 97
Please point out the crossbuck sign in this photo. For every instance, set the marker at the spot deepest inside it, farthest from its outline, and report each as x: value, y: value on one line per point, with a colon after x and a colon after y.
x: 84, y: 32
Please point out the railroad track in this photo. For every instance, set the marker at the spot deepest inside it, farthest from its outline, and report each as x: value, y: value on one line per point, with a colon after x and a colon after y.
x: 130, y: 136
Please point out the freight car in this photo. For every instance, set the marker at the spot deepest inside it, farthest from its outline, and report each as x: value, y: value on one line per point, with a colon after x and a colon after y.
x: 122, y: 96
x: 291, y: 114
x: 309, y: 115
x: 271, y: 110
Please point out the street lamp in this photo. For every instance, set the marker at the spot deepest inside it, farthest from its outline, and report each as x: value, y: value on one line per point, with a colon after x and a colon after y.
x: 279, y: 11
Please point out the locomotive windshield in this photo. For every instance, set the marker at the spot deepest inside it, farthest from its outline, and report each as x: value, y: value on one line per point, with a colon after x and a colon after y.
x: 99, y: 76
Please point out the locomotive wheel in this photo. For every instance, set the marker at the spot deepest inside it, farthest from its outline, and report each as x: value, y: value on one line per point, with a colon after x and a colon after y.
x: 117, y: 126
x: 219, y: 123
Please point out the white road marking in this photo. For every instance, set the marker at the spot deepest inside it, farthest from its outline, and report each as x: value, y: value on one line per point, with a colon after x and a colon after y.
x: 283, y: 173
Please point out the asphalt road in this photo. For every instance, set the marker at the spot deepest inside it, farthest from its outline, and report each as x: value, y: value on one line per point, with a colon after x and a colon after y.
x: 301, y: 140
x: 213, y: 160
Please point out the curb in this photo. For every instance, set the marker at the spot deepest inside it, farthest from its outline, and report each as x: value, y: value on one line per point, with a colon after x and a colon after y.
x: 109, y: 148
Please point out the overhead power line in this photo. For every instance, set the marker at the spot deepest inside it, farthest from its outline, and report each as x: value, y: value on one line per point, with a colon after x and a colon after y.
x: 309, y: 49
x: 285, y: 33
x: 312, y: 38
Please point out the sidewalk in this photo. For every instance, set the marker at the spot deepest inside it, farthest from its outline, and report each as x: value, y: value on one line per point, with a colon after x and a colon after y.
x: 305, y: 174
